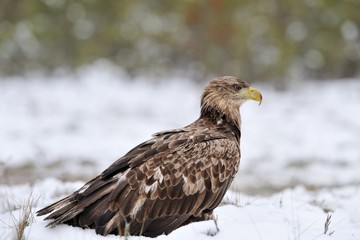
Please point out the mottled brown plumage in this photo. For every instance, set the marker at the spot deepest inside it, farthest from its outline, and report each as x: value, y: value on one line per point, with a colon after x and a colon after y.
x: 176, y: 177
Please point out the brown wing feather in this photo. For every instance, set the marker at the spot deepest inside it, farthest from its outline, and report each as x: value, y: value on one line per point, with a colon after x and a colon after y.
x: 157, y: 186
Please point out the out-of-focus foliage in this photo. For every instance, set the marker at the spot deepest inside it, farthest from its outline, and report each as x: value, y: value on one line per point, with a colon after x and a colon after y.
x: 259, y: 40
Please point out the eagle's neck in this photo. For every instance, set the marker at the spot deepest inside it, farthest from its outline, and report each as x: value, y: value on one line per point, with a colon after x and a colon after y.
x: 217, y: 106
x: 222, y: 110
x: 229, y: 117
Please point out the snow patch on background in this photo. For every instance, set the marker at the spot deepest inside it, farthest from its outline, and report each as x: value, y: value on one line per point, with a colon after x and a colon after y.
x: 80, y: 124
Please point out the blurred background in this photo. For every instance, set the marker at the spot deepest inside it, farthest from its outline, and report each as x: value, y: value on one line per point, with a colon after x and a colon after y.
x: 274, y: 41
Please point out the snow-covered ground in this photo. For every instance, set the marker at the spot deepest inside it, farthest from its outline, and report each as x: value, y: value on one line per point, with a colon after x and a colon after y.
x: 300, y: 151
x: 291, y: 214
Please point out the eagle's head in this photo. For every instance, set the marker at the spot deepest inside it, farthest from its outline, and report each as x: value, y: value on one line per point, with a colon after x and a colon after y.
x: 223, y: 96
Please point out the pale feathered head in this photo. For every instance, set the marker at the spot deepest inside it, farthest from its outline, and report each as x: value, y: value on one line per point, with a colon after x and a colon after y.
x: 225, y: 95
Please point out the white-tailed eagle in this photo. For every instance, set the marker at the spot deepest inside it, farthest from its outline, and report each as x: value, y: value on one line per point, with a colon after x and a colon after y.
x: 175, y: 178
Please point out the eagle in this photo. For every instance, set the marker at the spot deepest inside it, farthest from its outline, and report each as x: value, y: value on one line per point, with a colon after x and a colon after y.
x: 177, y: 177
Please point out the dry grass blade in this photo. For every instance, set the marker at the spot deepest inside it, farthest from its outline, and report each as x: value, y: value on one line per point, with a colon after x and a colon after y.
x: 126, y: 231
x: 327, y: 224
x: 26, y: 217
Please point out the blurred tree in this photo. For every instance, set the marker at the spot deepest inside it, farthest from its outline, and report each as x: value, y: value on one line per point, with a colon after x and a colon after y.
x: 260, y: 40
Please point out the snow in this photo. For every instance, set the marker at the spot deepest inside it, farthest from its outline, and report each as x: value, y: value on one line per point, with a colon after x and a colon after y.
x: 300, y: 151
x: 290, y: 214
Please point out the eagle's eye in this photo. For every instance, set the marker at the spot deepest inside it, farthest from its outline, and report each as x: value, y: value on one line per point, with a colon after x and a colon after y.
x: 237, y: 87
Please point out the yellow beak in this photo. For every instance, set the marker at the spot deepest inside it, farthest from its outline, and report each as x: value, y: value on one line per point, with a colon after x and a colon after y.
x: 252, y: 94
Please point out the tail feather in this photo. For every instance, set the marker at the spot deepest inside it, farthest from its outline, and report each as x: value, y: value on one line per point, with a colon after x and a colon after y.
x: 70, y: 209
x: 57, y: 205
x: 61, y: 210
